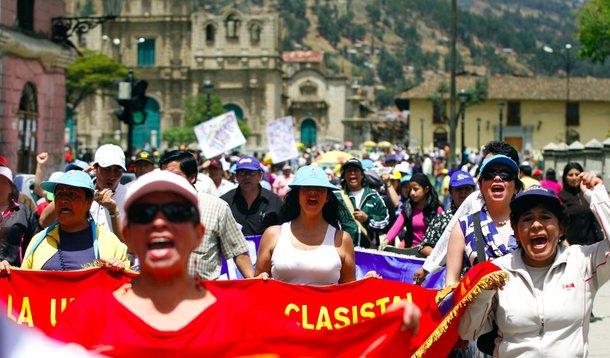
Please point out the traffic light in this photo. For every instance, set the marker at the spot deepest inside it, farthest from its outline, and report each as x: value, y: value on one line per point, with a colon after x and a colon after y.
x: 132, y: 97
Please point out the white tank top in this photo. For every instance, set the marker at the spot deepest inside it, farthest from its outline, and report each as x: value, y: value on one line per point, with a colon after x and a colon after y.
x: 320, y: 266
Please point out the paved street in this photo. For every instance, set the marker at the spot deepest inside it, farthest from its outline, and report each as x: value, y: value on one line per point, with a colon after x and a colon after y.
x: 599, y: 335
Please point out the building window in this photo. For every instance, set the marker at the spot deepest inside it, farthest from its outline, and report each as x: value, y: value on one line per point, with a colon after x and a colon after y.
x: 439, y: 113
x: 513, y: 117
x: 25, y: 14
x: 255, y: 33
x: 572, y: 114
x: 146, y: 52
x: 210, y: 32
x: 232, y: 26
x: 28, y: 130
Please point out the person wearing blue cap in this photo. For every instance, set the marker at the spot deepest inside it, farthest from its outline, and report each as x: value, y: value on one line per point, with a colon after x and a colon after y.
x: 436, y: 260
x: 308, y: 247
x: 74, y: 240
x: 254, y: 207
x: 461, y: 185
x: 543, y: 308
x: 499, y: 183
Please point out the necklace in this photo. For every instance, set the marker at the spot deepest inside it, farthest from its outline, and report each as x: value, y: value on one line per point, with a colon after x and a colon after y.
x: 502, y: 223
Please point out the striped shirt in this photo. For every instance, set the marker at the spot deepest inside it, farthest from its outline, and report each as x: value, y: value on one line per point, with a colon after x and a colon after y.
x: 222, y: 236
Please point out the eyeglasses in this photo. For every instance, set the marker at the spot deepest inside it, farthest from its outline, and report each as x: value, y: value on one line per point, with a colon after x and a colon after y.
x: 246, y: 173
x: 174, y: 212
x: 504, y: 174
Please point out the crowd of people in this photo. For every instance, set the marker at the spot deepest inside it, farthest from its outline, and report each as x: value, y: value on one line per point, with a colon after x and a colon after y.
x: 181, y: 214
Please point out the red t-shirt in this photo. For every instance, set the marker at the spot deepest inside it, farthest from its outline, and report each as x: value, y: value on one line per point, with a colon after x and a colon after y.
x: 97, y: 319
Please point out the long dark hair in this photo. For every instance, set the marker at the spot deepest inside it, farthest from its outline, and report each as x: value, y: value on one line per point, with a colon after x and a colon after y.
x: 332, y: 212
x: 566, y: 169
x: 430, y: 208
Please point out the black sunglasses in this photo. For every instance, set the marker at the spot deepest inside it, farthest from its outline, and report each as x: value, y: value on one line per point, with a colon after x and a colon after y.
x: 174, y: 212
x: 505, y: 175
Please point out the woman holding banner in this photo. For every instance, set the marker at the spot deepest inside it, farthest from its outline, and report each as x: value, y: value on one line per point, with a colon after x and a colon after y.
x: 164, y: 308
x: 308, y: 247
x: 543, y: 309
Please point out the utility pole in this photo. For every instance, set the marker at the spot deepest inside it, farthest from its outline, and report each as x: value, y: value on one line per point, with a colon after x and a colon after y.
x: 452, y: 113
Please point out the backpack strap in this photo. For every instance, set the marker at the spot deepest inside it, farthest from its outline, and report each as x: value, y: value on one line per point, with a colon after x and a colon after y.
x: 478, y: 236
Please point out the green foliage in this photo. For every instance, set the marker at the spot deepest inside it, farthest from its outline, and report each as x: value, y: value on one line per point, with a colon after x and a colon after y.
x: 91, y: 72
x: 327, y: 25
x: 594, y: 30
x: 477, y: 93
x: 294, y: 16
x: 389, y: 68
x: 195, y: 109
x: 385, y: 97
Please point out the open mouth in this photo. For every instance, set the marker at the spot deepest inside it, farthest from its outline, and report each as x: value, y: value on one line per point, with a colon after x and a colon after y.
x: 539, y: 242
x: 160, y: 244
x: 64, y: 211
x: 312, y: 202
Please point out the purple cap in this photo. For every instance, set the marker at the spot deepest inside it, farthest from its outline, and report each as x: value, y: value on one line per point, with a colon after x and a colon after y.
x: 460, y: 178
x: 248, y: 163
x: 533, y: 196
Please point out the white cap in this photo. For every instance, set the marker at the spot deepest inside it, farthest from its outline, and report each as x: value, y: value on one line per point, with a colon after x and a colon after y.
x: 160, y: 181
x: 7, y: 173
x: 108, y: 155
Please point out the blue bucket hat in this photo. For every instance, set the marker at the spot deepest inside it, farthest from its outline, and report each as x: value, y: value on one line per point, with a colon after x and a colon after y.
x: 76, y: 165
x: 311, y: 175
x: 503, y: 160
x: 75, y: 178
x: 461, y: 178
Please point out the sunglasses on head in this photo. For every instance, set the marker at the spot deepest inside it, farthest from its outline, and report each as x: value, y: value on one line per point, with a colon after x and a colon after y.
x: 174, y: 212
x: 504, y: 174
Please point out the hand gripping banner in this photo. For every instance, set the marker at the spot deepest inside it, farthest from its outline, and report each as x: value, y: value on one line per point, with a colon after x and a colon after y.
x: 350, y: 311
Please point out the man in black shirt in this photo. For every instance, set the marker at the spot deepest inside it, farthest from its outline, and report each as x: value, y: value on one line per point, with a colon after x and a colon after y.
x: 253, y: 207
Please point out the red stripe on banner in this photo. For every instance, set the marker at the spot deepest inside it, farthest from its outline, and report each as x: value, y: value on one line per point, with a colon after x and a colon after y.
x: 37, y: 298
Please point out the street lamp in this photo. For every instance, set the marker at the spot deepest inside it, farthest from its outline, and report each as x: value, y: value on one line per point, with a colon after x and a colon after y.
x: 500, y: 113
x: 568, y: 68
x: 478, y: 133
x: 463, y: 97
x: 63, y: 27
x: 568, y: 46
x: 421, y: 127
x: 208, y: 86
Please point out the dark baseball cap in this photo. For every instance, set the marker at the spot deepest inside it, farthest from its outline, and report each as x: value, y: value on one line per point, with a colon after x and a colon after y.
x: 145, y: 156
x: 351, y: 162
x: 534, y: 196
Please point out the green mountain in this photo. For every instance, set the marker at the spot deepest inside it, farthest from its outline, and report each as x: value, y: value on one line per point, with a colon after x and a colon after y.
x: 395, y: 44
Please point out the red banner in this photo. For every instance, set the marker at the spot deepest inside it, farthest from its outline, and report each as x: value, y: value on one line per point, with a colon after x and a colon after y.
x: 37, y: 298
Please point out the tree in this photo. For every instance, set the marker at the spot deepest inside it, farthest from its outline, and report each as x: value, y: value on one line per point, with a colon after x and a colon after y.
x: 89, y: 73
x: 594, y: 30
x: 195, y: 109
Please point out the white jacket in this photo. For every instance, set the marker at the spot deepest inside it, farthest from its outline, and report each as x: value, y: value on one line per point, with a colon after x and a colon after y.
x: 555, y: 324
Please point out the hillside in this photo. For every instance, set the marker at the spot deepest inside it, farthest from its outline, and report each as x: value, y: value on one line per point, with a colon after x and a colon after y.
x: 395, y: 44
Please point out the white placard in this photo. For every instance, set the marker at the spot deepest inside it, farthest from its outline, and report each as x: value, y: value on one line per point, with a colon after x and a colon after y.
x: 219, y: 134
x: 280, y: 138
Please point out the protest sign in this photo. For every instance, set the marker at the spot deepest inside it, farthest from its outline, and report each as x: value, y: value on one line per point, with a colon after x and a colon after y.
x: 280, y: 138
x: 219, y: 134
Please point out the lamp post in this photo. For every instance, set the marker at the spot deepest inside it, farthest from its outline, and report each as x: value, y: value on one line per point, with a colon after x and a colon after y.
x: 478, y: 133
x: 463, y: 97
x: 208, y: 86
x: 568, y: 46
x: 500, y: 113
x: 421, y: 127
x: 568, y: 68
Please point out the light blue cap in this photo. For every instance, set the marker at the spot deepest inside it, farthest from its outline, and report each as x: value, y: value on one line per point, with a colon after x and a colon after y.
x: 311, y: 175
x: 502, y: 160
x: 75, y: 178
x: 367, y: 164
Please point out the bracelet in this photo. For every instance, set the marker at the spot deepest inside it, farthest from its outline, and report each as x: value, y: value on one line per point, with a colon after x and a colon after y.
x: 116, y: 213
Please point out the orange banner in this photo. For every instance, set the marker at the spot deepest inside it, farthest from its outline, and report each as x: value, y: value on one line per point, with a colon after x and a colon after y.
x: 37, y: 298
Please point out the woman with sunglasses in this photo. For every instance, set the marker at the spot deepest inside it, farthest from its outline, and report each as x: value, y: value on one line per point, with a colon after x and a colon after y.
x: 544, y: 306
x: 498, y: 183
x: 164, y: 307
x: 308, y: 247
x: 74, y: 240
